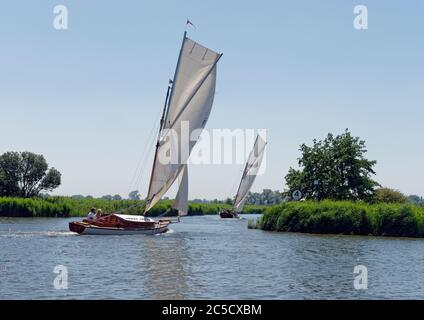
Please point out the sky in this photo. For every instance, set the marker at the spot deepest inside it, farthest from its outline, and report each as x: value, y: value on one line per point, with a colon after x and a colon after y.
x: 89, y: 98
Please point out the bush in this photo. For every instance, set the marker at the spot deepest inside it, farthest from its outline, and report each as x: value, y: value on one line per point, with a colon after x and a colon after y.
x: 387, y: 195
x: 344, y: 217
x: 395, y: 221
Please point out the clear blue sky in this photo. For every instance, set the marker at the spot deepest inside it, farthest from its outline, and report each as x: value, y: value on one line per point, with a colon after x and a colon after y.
x: 88, y: 98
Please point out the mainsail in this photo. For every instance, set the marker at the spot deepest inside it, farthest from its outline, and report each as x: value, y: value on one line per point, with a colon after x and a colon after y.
x: 188, y: 110
x: 250, y: 171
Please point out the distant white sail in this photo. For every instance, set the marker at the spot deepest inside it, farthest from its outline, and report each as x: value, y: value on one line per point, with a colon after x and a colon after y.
x: 250, y: 171
x: 190, y: 103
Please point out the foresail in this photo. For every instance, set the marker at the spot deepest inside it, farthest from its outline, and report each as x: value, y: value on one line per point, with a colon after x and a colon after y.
x: 251, y: 170
x: 181, y: 200
x: 190, y: 104
x: 158, y: 186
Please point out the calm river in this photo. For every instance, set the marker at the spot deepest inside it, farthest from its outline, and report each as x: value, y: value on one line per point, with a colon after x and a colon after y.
x: 203, y: 258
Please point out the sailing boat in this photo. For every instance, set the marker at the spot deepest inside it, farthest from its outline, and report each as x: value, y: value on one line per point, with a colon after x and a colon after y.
x: 188, y: 103
x: 249, y: 174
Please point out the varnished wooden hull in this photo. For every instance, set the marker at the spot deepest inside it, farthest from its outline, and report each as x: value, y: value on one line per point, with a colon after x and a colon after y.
x: 119, y: 224
x: 227, y: 214
x: 86, y: 229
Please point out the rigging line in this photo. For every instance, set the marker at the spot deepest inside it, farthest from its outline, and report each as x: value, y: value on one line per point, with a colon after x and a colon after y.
x: 166, y: 212
x: 139, y: 168
x: 147, y: 152
x: 236, y: 180
x: 135, y: 174
x: 128, y: 208
x: 162, y: 121
x: 236, y: 184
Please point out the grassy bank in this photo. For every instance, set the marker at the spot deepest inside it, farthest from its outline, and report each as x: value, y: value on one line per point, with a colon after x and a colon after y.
x: 70, y: 207
x: 329, y: 217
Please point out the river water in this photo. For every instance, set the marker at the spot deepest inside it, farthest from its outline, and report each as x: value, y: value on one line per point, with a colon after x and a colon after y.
x: 202, y: 258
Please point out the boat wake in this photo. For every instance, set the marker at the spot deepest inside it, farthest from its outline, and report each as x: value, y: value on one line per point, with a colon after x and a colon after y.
x: 14, y: 234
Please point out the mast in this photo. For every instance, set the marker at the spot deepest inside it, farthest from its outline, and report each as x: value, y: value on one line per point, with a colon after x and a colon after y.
x: 165, y: 109
x: 162, y: 119
x: 164, y: 116
x: 176, y: 69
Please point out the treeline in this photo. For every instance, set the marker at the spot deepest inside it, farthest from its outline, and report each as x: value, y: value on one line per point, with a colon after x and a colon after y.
x: 71, y: 207
x: 417, y: 200
x: 265, y: 198
x: 344, y: 217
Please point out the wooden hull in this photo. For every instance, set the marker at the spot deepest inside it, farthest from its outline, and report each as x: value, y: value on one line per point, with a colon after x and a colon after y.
x: 119, y: 225
x: 228, y: 214
x: 94, y: 230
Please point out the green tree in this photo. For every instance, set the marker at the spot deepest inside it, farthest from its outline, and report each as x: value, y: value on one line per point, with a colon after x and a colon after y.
x: 387, y: 195
x: 116, y: 197
x: 266, y: 197
x: 9, y: 174
x: 107, y: 197
x: 26, y: 174
x: 333, y: 168
x: 417, y: 200
x: 229, y: 201
x: 134, y: 195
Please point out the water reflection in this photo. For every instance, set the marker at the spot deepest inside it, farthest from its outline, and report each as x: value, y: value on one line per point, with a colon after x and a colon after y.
x: 163, y: 263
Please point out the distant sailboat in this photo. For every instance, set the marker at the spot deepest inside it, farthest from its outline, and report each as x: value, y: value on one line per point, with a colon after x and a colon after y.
x: 249, y: 174
x: 188, y: 103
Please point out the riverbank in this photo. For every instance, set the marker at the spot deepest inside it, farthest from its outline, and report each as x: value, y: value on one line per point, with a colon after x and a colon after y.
x: 71, y: 207
x: 333, y: 217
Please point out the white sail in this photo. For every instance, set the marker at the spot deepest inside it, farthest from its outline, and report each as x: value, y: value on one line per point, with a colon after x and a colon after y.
x: 190, y: 104
x: 251, y: 170
x: 181, y: 200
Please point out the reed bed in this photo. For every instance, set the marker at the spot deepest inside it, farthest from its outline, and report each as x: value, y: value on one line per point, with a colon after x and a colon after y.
x: 344, y: 217
x: 71, y: 207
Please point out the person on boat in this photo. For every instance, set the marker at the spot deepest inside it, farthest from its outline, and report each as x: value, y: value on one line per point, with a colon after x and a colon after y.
x: 99, y: 213
x: 92, y: 214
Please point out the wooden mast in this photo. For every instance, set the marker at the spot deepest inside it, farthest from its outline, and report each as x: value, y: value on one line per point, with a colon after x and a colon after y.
x: 162, y: 120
